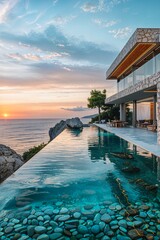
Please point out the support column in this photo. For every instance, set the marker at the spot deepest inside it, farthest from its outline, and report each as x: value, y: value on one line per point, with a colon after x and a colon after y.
x: 158, y: 112
x: 134, y: 117
x: 154, y: 108
x: 123, y: 112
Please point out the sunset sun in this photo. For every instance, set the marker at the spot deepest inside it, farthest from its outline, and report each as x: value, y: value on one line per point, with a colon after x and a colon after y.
x: 5, y: 115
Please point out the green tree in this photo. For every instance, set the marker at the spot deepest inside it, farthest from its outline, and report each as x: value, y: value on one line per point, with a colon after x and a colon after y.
x: 97, y: 100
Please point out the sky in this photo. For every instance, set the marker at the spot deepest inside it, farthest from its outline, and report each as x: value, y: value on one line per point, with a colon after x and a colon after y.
x: 54, y: 52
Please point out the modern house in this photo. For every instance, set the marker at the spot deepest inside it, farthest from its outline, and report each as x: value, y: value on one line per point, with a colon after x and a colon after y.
x: 137, y: 71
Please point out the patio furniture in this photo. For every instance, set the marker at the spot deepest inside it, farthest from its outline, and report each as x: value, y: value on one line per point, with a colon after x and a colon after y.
x: 117, y: 123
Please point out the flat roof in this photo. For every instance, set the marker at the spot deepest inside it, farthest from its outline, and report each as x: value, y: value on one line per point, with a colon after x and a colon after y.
x: 142, y: 138
x: 142, y: 43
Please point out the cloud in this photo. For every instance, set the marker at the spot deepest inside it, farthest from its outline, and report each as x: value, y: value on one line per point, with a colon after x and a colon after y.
x: 89, y: 7
x: 104, y: 24
x: 121, y: 32
x: 33, y: 57
x: 5, y: 7
x: 61, y: 21
x: 76, y: 109
x: 75, y: 50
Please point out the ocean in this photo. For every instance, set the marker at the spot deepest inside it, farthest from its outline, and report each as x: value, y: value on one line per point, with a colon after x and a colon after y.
x: 22, y: 134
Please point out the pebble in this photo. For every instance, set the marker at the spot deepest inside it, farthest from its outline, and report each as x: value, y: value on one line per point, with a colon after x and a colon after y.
x: 106, y: 218
x: 43, y: 237
x: 40, y: 229
x: 95, y: 229
x: 64, y: 210
x: 64, y: 218
x: 30, y: 231
x: 82, y: 229
x: 54, y: 236
x: 77, y: 215
x: 8, y: 230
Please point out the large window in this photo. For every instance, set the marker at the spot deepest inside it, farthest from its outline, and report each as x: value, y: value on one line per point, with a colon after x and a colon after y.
x: 158, y: 63
x: 141, y: 73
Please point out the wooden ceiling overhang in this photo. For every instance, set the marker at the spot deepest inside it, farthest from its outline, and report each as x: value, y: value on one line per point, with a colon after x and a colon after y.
x: 137, y: 53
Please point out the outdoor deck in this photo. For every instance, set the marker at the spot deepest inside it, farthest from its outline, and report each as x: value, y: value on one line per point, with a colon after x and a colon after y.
x: 139, y: 137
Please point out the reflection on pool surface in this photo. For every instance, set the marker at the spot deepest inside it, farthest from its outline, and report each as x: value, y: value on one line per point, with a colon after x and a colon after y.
x: 79, y: 177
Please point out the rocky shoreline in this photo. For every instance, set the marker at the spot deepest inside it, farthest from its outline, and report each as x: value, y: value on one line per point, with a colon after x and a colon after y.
x: 10, y: 161
x: 104, y: 221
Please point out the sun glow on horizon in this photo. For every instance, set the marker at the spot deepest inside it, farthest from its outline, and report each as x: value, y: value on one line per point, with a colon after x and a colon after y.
x: 5, y: 115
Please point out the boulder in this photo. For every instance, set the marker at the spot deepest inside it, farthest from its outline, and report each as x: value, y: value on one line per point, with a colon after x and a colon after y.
x: 57, y: 129
x: 74, y: 123
x: 10, y: 161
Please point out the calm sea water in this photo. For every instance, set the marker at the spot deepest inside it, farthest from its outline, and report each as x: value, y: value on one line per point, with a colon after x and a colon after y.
x: 23, y: 134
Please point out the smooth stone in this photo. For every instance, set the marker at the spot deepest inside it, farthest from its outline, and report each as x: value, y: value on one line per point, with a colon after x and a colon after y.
x: 118, y: 207
x: 64, y: 218
x: 25, y: 221
x: 77, y: 215
x: 67, y: 233
x: 114, y: 227
x: 55, y: 211
x: 64, y: 210
x: 137, y: 223
x: 34, y: 222
x: 101, y: 225
x: 53, y: 224
x: 8, y: 230
x: 120, y: 237
x: 25, y: 237
x: 143, y: 214
x: 48, y: 211
x: 106, y: 218
x: 110, y: 233
x: 15, y: 221
x: 95, y: 229
x: 3, y: 224
x: 1, y: 234
x: 88, y: 207
x: 113, y: 222
x: 82, y: 229
x: 17, y: 236
x: 123, y: 229
x: 39, y: 214
x: 158, y: 227
x: 97, y: 218
x: 100, y: 235
x: 43, y: 237
x: 30, y: 231
x: 122, y: 223
x: 58, y: 230
x: 59, y: 204
x: 40, y: 218
x: 54, y: 236
x: 40, y: 229
x: 47, y: 217
x: 136, y: 233
x: 32, y: 217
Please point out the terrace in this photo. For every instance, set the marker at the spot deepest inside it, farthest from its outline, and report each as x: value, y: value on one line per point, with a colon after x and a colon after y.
x: 139, y: 137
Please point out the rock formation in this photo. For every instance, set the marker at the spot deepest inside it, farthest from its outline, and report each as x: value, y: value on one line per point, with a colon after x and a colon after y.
x: 57, y: 129
x: 10, y: 161
x: 73, y: 123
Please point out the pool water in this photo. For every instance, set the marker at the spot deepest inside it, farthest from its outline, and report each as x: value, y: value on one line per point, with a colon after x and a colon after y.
x: 79, y: 172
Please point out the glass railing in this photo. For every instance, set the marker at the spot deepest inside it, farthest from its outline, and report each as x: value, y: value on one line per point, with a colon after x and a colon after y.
x: 146, y: 70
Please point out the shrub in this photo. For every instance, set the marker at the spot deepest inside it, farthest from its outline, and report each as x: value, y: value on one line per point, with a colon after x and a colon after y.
x: 32, y: 151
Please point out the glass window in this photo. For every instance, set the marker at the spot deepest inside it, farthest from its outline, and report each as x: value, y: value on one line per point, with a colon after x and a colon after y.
x: 158, y: 63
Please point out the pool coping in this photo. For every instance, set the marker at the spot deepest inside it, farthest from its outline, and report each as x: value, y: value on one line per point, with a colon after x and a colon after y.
x: 134, y: 135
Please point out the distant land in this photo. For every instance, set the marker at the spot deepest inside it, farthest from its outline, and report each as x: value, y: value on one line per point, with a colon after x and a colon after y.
x: 90, y: 116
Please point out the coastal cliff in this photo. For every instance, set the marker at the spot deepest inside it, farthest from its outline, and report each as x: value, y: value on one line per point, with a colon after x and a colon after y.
x: 10, y: 161
x: 73, y: 123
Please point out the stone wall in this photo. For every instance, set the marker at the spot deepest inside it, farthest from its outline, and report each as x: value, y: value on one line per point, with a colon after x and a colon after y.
x: 146, y: 83
x: 140, y: 35
x: 158, y: 112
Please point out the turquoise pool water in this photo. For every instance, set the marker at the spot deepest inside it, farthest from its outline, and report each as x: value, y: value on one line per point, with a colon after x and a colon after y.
x: 79, y: 173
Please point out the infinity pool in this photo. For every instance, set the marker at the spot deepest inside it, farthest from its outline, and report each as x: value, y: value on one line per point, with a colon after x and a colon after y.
x: 77, y: 187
